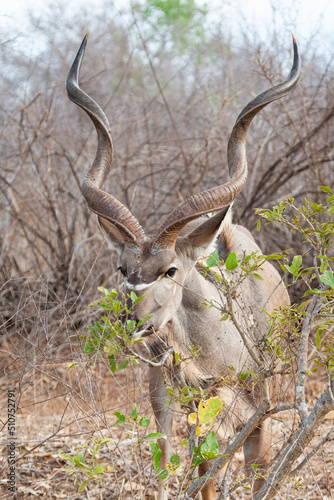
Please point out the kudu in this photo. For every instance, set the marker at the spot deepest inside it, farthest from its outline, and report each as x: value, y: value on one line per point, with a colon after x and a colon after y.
x: 163, y: 267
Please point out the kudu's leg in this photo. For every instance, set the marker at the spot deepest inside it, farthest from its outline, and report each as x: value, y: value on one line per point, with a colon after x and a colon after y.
x: 257, y: 451
x: 163, y: 413
x: 209, y: 490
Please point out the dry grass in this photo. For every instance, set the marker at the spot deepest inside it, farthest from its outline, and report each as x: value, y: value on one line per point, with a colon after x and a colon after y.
x: 59, y: 409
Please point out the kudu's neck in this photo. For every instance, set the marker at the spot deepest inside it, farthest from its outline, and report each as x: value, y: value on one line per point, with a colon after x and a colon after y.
x: 194, y: 318
x: 198, y: 290
x: 197, y: 325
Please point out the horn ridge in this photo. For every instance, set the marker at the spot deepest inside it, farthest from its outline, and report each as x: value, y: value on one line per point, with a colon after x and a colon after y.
x: 100, y: 202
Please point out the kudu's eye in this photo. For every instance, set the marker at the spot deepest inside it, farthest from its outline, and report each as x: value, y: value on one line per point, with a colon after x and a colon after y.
x: 120, y: 268
x: 171, y: 272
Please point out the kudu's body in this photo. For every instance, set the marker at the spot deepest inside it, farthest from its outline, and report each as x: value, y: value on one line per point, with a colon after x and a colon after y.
x: 163, y: 267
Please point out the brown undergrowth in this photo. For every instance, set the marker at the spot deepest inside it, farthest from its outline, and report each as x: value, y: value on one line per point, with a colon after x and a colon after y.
x: 60, y: 408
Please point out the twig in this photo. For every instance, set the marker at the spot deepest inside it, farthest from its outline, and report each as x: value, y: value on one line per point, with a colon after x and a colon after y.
x: 169, y: 351
x: 307, y: 458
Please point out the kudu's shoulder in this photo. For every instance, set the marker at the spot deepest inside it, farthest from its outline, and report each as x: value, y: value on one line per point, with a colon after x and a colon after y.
x: 238, y: 239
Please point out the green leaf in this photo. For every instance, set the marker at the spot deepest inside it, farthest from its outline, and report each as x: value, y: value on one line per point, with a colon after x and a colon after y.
x: 163, y: 474
x: 258, y: 276
x: 243, y: 376
x: 177, y: 358
x: 325, y: 189
x: 88, y: 348
x: 142, y: 321
x: 134, y: 414
x: 82, y: 486
x: 283, y: 267
x: 328, y: 279
x: 175, y: 460
x: 209, y: 410
x: 133, y: 296
x: 120, y: 418
x: 105, y: 441
x: 112, y: 363
x: 224, y: 317
x: 323, y: 266
x: 274, y: 256
x: 130, y: 325
x: 265, y: 312
x: 316, y: 207
x: 258, y: 225
x: 66, y: 457
x: 213, y: 260
x: 297, y: 261
x: 211, y: 443
x: 156, y: 452
x: 311, y: 292
x: 210, y: 447
x: 144, y: 422
x: 98, y: 470
x: 86, y: 469
x: 331, y: 209
x: 291, y: 269
x: 79, y: 458
x: 71, y: 366
x: 156, y: 459
x: 231, y: 262
x: 174, y: 463
x: 122, y: 365
x: 154, y: 435
x: 154, y: 447
x: 318, y: 338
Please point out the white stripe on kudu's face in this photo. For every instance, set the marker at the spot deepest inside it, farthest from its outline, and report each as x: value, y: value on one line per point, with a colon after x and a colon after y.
x: 141, y: 286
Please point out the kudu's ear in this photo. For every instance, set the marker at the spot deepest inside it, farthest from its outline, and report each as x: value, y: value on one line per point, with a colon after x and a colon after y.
x: 204, y: 235
x: 113, y: 236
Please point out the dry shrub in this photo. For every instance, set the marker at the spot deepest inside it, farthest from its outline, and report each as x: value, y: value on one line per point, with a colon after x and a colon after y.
x: 171, y: 113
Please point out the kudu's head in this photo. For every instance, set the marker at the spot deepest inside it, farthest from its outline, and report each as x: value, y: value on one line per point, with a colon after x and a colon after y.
x: 159, y: 264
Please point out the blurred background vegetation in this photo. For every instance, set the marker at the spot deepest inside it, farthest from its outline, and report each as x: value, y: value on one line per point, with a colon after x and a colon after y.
x: 172, y: 83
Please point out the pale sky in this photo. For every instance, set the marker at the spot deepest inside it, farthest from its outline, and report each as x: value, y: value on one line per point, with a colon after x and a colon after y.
x: 305, y: 18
